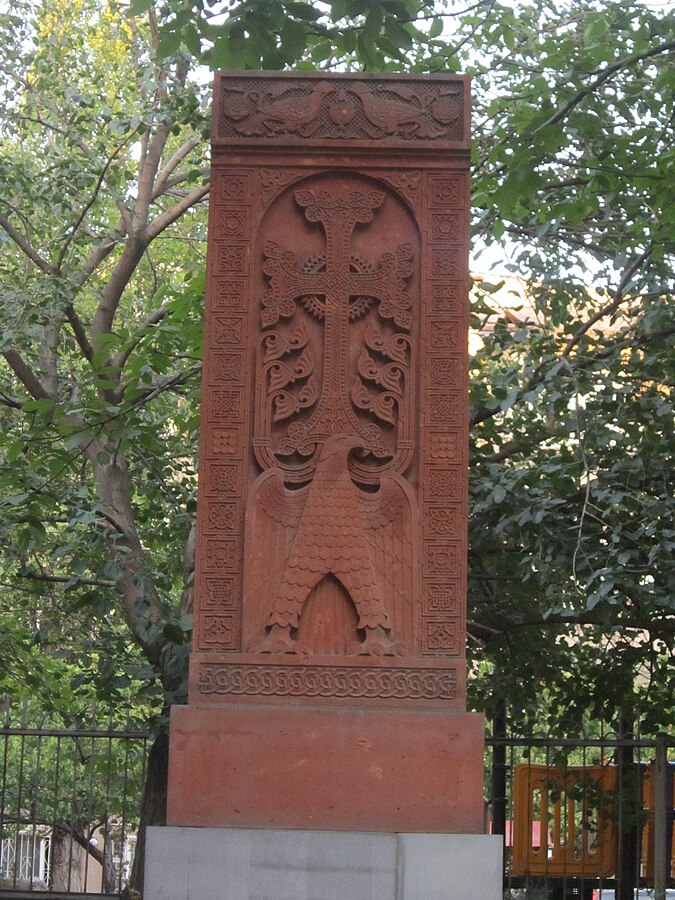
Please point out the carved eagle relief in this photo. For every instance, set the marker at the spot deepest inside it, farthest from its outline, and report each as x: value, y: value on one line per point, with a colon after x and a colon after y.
x: 330, y: 530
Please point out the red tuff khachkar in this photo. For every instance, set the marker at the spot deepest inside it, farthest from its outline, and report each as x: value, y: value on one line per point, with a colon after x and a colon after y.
x: 330, y: 579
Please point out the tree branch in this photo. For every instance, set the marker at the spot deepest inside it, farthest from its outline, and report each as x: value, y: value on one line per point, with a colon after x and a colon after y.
x: 11, y: 402
x: 173, y: 162
x: 610, y: 307
x: 65, y: 828
x: 169, y: 217
x: 26, y: 376
x: 47, y: 356
x: 79, y: 332
x: 137, y: 243
x: 512, y: 447
x: 24, y: 244
x: 665, y: 625
x: 179, y: 179
x: 147, y: 176
x: 157, y: 389
x: 577, y: 362
x: 97, y: 255
x: 602, y: 77
x: 66, y: 579
x: 119, y: 279
x: 92, y: 199
x: 119, y: 360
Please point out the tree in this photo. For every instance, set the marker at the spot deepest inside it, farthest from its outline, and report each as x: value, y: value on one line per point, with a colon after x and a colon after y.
x: 95, y: 172
x: 102, y: 271
x: 102, y: 257
x: 76, y: 790
x: 572, y: 419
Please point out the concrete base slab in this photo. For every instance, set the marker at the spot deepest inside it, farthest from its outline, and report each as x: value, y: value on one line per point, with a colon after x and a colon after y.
x: 273, y: 864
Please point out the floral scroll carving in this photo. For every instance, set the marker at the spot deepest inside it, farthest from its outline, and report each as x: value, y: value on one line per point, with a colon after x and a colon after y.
x: 336, y: 288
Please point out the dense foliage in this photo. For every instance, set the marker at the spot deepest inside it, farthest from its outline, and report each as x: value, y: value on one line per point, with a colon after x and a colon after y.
x: 102, y: 177
x: 102, y: 274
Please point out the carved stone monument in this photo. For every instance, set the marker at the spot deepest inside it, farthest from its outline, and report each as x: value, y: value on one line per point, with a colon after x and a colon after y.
x: 327, y: 685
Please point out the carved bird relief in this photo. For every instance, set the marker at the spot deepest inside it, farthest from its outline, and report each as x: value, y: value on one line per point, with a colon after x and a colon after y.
x: 396, y: 116
x: 289, y: 113
x: 332, y: 527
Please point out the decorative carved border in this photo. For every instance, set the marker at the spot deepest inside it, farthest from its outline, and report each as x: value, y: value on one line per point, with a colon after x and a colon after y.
x: 371, y: 119
x: 396, y: 111
x: 224, y: 415
x: 443, y: 420
x: 327, y: 681
x: 437, y: 195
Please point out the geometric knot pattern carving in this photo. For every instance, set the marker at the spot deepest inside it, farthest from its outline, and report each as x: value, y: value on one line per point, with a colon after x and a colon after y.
x: 328, y: 681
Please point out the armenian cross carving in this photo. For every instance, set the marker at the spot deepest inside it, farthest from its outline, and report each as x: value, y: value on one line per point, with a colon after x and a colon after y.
x: 337, y: 526
x: 337, y: 288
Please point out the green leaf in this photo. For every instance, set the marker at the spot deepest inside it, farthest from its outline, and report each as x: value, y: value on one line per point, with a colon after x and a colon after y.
x: 372, y: 26
x: 138, y: 7
x: 436, y: 27
x: 293, y: 39
x: 498, y: 494
x: 169, y: 43
x: 192, y: 40
x: 338, y: 9
x: 596, y: 28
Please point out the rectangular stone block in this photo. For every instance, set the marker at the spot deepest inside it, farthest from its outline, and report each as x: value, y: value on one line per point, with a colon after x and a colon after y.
x: 255, y: 864
x: 376, y: 769
x: 334, y: 424
x: 450, y: 867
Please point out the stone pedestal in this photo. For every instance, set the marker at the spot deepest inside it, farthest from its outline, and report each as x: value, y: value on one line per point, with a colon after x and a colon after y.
x: 337, y: 769
x: 247, y: 863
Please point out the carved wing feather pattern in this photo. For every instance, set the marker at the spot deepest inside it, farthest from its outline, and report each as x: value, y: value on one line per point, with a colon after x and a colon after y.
x: 274, y: 500
x: 389, y: 532
x: 333, y: 527
x: 385, y: 505
x: 272, y: 518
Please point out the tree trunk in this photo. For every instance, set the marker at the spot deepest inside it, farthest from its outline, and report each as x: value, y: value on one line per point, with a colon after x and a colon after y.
x: 140, y: 600
x: 153, y: 810
x: 66, y: 858
x: 109, y: 875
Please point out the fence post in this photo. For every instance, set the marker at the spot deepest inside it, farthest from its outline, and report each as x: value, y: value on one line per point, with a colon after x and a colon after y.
x: 499, y: 773
x: 629, y: 787
x: 499, y: 769
x: 660, y: 817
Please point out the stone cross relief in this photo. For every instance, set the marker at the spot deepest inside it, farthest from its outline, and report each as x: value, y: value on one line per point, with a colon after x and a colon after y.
x: 332, y: 502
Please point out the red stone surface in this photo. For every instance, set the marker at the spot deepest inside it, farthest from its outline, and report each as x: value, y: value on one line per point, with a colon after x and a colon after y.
x: 371, y: 770
x: 331, y: 528
x: 332, y: 508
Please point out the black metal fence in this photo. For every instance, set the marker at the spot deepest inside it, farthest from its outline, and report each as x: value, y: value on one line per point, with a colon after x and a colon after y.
x: 69, y: 805
x: 587, y: 817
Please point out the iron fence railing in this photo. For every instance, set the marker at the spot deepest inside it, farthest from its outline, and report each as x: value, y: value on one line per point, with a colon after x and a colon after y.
x: 69, y: 806
x: 588, y: 817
